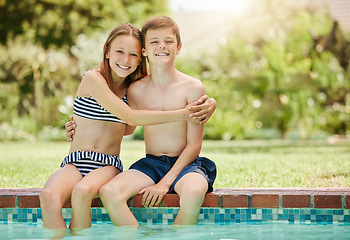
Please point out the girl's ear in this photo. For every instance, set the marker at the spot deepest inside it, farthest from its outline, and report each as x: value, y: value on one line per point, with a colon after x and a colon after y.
x: 107, y: 55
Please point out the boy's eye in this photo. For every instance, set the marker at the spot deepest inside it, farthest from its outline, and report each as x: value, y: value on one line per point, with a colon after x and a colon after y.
x: 153, y: 42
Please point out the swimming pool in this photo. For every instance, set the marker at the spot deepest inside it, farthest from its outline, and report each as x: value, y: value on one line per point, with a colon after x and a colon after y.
x: 105, y: 230
x: 213, y: 223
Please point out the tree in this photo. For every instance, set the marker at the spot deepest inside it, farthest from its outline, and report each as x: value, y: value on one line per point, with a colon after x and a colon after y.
x: 57, y: 23
x: 37, y: 65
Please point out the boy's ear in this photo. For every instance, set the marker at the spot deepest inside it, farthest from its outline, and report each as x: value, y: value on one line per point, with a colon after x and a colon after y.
x: 178, y: 48
x: 144, y: 52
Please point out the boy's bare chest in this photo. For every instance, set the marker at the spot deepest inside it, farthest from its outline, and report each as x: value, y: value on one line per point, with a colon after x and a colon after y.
x: 162, y: 99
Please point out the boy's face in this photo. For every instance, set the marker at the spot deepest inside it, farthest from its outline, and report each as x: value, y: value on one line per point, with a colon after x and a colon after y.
x: 161, y: 46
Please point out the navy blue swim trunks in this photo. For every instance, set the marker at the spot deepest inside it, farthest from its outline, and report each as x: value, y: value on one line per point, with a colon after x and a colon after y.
x: 156, y: 167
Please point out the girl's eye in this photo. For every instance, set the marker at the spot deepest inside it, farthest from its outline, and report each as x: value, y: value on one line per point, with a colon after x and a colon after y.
x: 119, y: 51
x: 134, y: 55
x: 153, y: 42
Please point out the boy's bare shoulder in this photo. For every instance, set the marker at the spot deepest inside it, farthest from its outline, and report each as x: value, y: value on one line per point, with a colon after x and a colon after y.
x: 193, y: 86
x: 138, y: 86
x: 191, y: 81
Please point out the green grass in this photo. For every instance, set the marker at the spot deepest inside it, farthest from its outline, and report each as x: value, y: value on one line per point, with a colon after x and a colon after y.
x: 272, y: 163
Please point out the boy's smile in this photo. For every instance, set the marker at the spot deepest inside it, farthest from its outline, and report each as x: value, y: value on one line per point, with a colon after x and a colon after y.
x: 161, y: 44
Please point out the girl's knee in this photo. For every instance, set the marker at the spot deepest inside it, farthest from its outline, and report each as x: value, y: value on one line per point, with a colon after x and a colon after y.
x: 105, y: 191
x: 82, y: 191
x: 49, y: 198
x: 113, y: 193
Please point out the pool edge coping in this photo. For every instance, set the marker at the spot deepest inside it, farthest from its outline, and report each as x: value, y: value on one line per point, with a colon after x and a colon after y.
x: 322, y: 197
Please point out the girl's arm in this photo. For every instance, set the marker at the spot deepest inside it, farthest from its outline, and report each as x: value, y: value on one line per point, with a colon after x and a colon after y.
x: 96, y: 87
x: 204, y: 107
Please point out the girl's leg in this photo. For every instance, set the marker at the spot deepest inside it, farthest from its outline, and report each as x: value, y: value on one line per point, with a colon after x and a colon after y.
x: 191, y: 189
x: 84, y: 192
x: 56, y: 191
x: 117, y: 192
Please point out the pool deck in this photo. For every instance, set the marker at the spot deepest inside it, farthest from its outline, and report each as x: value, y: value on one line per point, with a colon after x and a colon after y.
x: 223, y: 198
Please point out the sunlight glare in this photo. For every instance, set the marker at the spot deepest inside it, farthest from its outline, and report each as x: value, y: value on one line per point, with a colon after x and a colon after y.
x: 239, y: 7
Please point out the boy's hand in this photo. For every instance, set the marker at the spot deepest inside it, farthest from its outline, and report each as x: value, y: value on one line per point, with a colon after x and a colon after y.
x: 203, y: 108
x: 70, y: 126
x: 153, y: 195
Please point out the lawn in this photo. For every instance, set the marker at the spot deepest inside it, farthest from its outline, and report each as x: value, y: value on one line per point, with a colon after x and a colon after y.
x: 272, y: 163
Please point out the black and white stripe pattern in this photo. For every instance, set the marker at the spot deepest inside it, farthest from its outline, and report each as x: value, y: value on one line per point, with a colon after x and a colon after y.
x: 87, y: 161
x: 86, y: 166
x: 88, y: 107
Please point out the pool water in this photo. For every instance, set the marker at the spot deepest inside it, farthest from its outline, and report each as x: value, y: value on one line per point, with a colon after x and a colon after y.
x: 105, y: 230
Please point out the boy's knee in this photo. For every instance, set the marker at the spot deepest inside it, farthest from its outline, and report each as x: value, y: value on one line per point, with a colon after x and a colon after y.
x: 195, y: 191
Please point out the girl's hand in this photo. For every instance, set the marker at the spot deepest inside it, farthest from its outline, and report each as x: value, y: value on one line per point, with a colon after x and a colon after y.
x: 70, y: 128
x: 202, y: 109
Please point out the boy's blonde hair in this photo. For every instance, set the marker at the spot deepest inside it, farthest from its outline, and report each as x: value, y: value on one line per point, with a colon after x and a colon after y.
x: 158, y: 22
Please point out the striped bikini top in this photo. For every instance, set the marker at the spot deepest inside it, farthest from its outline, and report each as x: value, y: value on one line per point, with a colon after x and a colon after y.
x: 88, y: 107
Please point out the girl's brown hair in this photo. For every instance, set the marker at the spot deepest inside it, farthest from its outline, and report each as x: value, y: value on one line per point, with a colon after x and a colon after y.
x: 125, y: 29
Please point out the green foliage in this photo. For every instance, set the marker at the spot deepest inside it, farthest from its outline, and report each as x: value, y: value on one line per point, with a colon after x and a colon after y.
x: 57, y: 23
x: 45, y: 48
x: 277, y: 81
x: 284, y: 80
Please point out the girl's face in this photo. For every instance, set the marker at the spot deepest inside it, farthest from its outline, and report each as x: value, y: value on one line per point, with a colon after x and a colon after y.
x: 124, y: 55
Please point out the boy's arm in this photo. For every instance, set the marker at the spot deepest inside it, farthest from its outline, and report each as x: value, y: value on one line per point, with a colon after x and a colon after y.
x: 129, y: 130
x: 153, y: 195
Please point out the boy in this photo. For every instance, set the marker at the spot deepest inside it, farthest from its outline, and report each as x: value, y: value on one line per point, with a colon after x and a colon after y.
x: 171, y: 163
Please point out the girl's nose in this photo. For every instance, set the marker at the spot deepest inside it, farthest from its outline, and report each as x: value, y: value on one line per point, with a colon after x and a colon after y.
x: 127, y: 58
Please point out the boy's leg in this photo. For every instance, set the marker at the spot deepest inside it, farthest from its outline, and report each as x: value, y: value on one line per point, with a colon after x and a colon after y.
x: 191, y: 189
x: 85, y: 191
x: 117, y: 192
x: 56, y: 191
